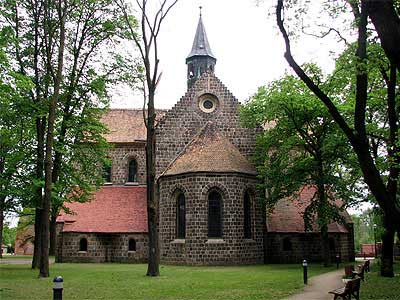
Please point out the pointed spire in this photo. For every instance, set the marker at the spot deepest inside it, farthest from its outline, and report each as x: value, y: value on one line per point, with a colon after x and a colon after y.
x: 200, y: 59
x: 201, y: 47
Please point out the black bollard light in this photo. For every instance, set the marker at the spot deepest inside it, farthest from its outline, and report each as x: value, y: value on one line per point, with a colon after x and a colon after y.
x: 337, y: 261
x: 57, y: 288
x: 305, y: 271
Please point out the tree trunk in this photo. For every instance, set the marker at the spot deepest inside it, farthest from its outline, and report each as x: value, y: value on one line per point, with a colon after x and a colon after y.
x: 387, y: 253
x: 40, y: 132
x: 322, y: 201
x: 387, y: 24
x: 37, y: 239
x: 1, y: 231
x: 325, y: 246
x: 48, y: 163
x: 152, y: 204
x: 53, y: 236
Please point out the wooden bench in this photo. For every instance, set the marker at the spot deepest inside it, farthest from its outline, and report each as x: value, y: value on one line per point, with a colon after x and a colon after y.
x: 348, y: 271
x: 351, y: 289
x: 360, y: 272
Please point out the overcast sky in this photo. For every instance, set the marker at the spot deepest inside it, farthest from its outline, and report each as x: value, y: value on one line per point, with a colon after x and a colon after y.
x: 243, y: 38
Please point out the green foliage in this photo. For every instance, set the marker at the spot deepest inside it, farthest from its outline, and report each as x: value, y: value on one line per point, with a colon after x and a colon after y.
x: 9, y: 235
x: 15, y: 131
x: 93, y: 56
x: 343, y: 90
x: 300, y: 146
x: 378, y: 287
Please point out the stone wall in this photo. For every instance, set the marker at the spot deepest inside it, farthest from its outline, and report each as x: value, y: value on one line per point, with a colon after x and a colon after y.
x: 197, y: 248
x: 25, y: 238
x: 307, y: 246
x: 102, y: 248
x: 181, y: 124
x: 121, y: 154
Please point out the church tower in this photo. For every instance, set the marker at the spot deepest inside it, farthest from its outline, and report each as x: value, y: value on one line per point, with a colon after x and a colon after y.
x: 200, y: 59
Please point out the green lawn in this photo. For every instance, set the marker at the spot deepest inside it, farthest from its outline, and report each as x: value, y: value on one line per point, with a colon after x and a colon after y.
x: 124, y: 281
x: 379, y: 288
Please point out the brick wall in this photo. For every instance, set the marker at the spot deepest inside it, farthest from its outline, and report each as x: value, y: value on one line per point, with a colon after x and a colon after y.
x: 197, y: 248
x: 121, y: 155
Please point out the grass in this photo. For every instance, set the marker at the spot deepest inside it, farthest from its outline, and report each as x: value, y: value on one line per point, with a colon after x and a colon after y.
x: 125, y: 281
x: 379, y: 288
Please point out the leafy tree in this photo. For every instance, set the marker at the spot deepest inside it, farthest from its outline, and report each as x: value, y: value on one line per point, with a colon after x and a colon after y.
x: 302, y: 146
x: 383, y: 183
x: 60, y: 45
x: 15, y: 134
x: 9, y: 235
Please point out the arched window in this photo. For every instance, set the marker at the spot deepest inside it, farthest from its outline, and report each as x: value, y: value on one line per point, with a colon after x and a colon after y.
x: 247, y: 216
x: 287, y: 244
x: 332, y: 244
x: 181, y: 217
x: 214, y: 215
x: 83, y: 244
x: 132, y: 245
x: 107, y: 173
x: 132, y: 171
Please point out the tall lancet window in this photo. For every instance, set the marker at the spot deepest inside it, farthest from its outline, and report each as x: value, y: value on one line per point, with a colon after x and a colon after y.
x: 132, y: 171
x: 214, y: 215
x: 181, y: 216
x: 247, y: 216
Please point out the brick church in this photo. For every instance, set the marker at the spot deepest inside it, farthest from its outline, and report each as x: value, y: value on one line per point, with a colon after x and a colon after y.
x: 206, y: 185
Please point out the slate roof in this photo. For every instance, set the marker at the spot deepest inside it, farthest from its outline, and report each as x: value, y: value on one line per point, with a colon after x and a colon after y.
x: 114, y: 209
x: 210, y: 151
x: 126, y: 125
x: 201, y: 47
x: 287, y: 215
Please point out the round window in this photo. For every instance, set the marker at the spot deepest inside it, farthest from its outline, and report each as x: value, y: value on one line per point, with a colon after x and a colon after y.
x: 208, y: 103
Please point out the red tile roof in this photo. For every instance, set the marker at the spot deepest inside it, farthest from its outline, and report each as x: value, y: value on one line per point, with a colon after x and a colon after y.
x: 126, y: 125
x: 114, y: 209
x: 210, y: 151
x: 287, y: 215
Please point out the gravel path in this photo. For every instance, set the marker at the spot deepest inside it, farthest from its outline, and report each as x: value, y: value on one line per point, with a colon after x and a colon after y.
x: 19, y: 261
x: 319, y: 286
